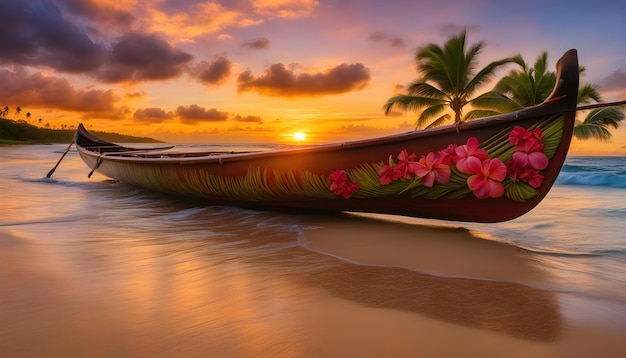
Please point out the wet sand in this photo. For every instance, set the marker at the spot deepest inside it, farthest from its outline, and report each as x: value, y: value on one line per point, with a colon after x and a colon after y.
x: 382, y: 306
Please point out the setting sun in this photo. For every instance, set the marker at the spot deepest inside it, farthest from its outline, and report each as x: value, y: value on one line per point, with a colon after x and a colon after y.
x: 299, y: 136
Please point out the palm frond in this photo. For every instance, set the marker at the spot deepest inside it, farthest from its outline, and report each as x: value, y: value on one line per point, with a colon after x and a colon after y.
x: 408, y: 103
x: 479, y: 113
x: 437, y: 122
x: 588, y: 94
x: 423, y: 89
x: 495, y: 102
x: 592, y: 131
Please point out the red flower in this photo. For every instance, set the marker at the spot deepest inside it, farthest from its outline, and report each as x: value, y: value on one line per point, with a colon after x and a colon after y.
x: 388, y: 173
x: 406, y: 161
x: 518, y: 135
x: 469, y: 155
x: 487, y: 182
x: 532, y: 177
x: 431, y: 169
x: 446, y: 154
x: 340, y: 184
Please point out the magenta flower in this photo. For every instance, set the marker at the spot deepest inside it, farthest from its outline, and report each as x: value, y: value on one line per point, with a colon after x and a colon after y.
x: 469, y: 155
x: 338, y: 180
x: 487, y: 182
x: 431, y: 169
x: 340, y: 184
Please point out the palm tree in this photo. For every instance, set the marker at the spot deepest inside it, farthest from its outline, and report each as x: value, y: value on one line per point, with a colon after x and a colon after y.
x: 448, y: 79
x: 5, y: 111
x: 527, y: 86
x: 18, y: 111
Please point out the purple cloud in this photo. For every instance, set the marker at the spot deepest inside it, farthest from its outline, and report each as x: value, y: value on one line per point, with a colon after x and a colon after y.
x: 277, y: 80
x: 140, y: 57
x: 36, y: 33
x: 193, y: 114
x: 214, y: 72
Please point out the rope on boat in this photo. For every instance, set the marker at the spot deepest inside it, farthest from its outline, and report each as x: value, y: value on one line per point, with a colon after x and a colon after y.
x: 98, y: 162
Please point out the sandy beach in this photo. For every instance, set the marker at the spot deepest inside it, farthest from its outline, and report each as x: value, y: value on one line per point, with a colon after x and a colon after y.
x: 381, y: 306
x: 95, y: 268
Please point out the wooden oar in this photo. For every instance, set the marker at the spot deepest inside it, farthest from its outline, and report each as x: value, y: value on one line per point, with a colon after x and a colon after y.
x: 60, y: 159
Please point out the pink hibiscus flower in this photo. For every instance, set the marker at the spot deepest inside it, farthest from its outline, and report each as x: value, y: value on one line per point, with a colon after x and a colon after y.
x: 431, y: 169
x: 530, y: 153
x: 469, y: 155
x: 405, y: 164
x: 487, y: 183
x: 534, y: 160
x: 340, y: 184
x: 388, y: 173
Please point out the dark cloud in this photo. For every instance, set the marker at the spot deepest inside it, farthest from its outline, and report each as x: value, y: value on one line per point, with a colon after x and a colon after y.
x: 193, y: 114
x: 615, y: 81
x: 248, y: 119
x: 214, y: 72
x: 35, y: 32
x: 140, y: 57
x: 449, y: 30
x: 39, y: 90
x: 258, y: 44
x: 277, y: 80
x: 152, y: 115
x: 98, y: 12
x: 393, y: 41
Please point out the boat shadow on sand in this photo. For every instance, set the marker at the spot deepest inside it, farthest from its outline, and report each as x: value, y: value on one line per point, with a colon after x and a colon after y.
x: 376, y: 263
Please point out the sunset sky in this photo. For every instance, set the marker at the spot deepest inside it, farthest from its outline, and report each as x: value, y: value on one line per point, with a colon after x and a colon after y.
x: 262, y: 70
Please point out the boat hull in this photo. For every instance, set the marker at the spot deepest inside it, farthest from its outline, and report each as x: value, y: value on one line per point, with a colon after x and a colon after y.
x: 423, y: 174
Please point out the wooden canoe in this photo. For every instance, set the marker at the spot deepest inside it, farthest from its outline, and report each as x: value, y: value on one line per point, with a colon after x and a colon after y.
x: 488, y: 170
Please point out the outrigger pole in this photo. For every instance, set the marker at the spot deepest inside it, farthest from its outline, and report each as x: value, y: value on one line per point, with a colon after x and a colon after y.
x: 601, y: 105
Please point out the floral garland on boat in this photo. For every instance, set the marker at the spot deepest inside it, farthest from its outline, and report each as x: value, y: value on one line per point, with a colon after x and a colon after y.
x: 510, y: 165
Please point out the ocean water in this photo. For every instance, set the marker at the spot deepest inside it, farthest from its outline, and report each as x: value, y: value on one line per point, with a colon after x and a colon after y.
x: 218, y: 269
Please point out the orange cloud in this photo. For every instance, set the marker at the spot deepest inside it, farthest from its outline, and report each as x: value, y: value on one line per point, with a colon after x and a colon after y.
x: 285, y: 8
x: 203, y: 18
x: 152, y: 115
x: 279, y: 81
x: 248, y: 119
